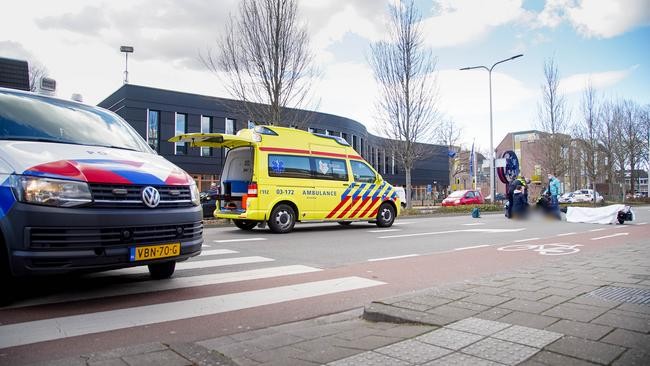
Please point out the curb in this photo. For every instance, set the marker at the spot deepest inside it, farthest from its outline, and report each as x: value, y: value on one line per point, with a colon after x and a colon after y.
x: 379, y: 312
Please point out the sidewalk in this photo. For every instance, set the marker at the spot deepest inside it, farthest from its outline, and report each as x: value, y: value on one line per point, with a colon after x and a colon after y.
x: 588, y: 310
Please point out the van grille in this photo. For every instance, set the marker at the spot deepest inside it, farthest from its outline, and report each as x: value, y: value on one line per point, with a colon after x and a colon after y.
x: 89, y: 238
x: 130, y: 196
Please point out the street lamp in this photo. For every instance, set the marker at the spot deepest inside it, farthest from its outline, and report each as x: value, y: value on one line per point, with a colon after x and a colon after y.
x: 492, y: 154
x: 126, y: 50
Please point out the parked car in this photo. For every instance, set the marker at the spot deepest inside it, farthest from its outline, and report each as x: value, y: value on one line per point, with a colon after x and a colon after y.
x: 464, y: 197
x: 587, y: 195
x: 568, y: 197
x: 499, y: 197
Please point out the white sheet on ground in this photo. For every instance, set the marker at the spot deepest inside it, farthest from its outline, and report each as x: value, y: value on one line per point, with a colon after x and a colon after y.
x: 594, y: 215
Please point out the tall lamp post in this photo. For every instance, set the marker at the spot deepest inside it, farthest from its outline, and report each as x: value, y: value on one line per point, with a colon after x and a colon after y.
x: 492, y: 154
x: 126, y: 50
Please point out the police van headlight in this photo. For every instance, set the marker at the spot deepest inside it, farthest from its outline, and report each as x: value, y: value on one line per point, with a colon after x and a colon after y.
x: 195, y: 195
x: 51, y: 192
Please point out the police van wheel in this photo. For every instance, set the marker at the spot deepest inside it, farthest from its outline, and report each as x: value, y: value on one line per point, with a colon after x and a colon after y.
x: 385, y: 215
x: 161, y: 271
x: 282, y: 219
x: 245, y: 224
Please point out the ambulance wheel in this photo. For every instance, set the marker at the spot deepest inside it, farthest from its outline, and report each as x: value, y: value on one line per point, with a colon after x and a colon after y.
x: 345, y: 223
x: 282, y: 219
x: 161, y: 271
x: 385, y: 215
x: 245, y: 224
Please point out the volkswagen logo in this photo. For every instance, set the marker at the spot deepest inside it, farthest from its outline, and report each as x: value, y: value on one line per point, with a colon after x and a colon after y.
x: 150, y: 196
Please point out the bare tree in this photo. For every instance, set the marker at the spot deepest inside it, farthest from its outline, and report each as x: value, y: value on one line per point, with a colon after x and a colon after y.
x: 36, y: 73
x: 611, y: 145
x: 264, y: 60
x: 633, y: 137
x: 449, y: 134
x: 586, y: 132
x: 404, y: 70
x: 553, y: 119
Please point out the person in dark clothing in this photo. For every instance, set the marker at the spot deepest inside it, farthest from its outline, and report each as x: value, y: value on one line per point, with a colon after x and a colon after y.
x: 511, y: 189
x: 519, y: 202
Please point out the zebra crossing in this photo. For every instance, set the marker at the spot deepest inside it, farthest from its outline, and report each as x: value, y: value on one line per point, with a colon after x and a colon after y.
x: 189, y: 274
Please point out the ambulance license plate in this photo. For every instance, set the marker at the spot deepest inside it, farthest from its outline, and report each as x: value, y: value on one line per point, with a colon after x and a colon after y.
x: 154, y: 251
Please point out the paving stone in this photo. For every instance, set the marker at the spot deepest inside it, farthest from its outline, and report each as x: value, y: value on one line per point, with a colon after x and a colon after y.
x: 488, y: 300
x: 478, y: 326
x: 367, y: 343
x: 527, y: 336
x: 377, y: 312
x: 561, y: 291
x: 430, y: 300
x: 414, y: 351
x: 126, y: 351
x: 407, y: 331
x: 238, y: 349
x: 618, y: 320
x: 217, y: 343
x: 327, y: 354
x: 111, y: 362
x: 358, y: 333
x: 556, y: 359
x: 469, y: 306
x: 586, y: 350
x: 275, y: 354
x: 412, y: 305
x: 76, y: 361
x: 525, y: 287
x: 528, y: 320
x: 369, y: 359
x: 275, y: 341
x: 526, y: 306
x: 628, y: 339
x: 577, y: 312
x: 526, y: 295
x: 243, y: 361
x: 488, y: 290
x: 579, y: 329
x: 594, y: 301
x: 493, y: 314
x: 200, y: 355
x: 449, y: 338
x: 460, y: 359
x: 288, y: 361
x: 452, y: 295
x: 452, y: 312
x: 160, y: 358
x: 633, y: 357
x: 635, y: 308
x: 500, y: 351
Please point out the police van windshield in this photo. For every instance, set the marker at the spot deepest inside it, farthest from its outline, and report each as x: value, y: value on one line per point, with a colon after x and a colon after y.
x: 32, y: 117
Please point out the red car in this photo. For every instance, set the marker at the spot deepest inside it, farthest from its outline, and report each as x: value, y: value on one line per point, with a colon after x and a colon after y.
x: 464, y: 197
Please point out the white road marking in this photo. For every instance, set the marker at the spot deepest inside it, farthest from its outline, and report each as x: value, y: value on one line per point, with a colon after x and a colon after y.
x: 476, y: 246
x: 641, y: 223
x: 205, y: 245
x: 566, y: 234
x: 76, y: 325
x: 206, y: 253
x: 389, y: 258
x: 475, y: 224
x: 173, y: 283
x: 523, y: 240
x: 191, y: 265
x: 593, y: 230
x: 453, y: 231
x: 609, y: 236
x: 383, y: 230
x: 238, y: 240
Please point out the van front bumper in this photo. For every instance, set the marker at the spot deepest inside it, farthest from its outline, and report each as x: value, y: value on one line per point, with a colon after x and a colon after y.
x: 253, y: 215
x: 43, y: 240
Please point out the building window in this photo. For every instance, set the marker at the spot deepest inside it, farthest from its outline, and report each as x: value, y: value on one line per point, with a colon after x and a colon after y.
x: 392, y: 164
x: 230, y: 126
x: 206, y: 127
x: 251, y: 124
x: 153, y: 129
x: 180, y: 128
x: 354, y: 143
x: 345, y: 137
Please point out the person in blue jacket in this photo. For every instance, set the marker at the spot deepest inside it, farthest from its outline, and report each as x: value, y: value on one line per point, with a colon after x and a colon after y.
x: 554, y: 189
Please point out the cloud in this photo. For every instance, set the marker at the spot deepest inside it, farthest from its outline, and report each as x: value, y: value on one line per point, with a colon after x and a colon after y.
x: 462, y: 21
x: 90, y: 20
x: 599, y: 80
x: 596, y: 18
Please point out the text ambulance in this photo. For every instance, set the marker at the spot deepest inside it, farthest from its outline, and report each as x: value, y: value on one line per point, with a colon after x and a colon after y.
x: 80, y: 190
x: 280, y: 175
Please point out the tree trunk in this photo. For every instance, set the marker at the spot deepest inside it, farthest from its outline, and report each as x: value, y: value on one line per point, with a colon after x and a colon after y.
x: 409, y: 204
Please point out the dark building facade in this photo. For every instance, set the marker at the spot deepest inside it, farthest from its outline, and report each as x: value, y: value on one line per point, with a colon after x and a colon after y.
x: 159, y: 114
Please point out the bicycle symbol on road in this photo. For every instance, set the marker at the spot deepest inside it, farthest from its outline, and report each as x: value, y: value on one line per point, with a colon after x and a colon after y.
x: 544, y: 249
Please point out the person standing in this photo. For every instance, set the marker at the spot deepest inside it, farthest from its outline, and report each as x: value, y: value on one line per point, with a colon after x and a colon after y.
x: 554, y: 189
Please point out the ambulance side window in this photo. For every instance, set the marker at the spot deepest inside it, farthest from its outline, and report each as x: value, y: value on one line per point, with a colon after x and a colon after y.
x: 289, y: 166
x: 330, y: 169
x: 362, y: 173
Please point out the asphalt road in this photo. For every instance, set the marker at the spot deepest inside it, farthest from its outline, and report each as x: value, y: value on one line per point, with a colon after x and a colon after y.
x: 251, y: 280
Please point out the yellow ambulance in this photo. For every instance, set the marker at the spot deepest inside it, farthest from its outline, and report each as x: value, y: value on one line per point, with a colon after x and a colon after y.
x: 279, y: 176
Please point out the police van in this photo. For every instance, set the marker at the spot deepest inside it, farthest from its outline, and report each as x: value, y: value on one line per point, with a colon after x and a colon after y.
x: 80, y: 190
x: 279, y: 176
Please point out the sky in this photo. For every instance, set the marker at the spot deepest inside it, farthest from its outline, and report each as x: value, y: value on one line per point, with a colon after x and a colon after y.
x: 604, y: 41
